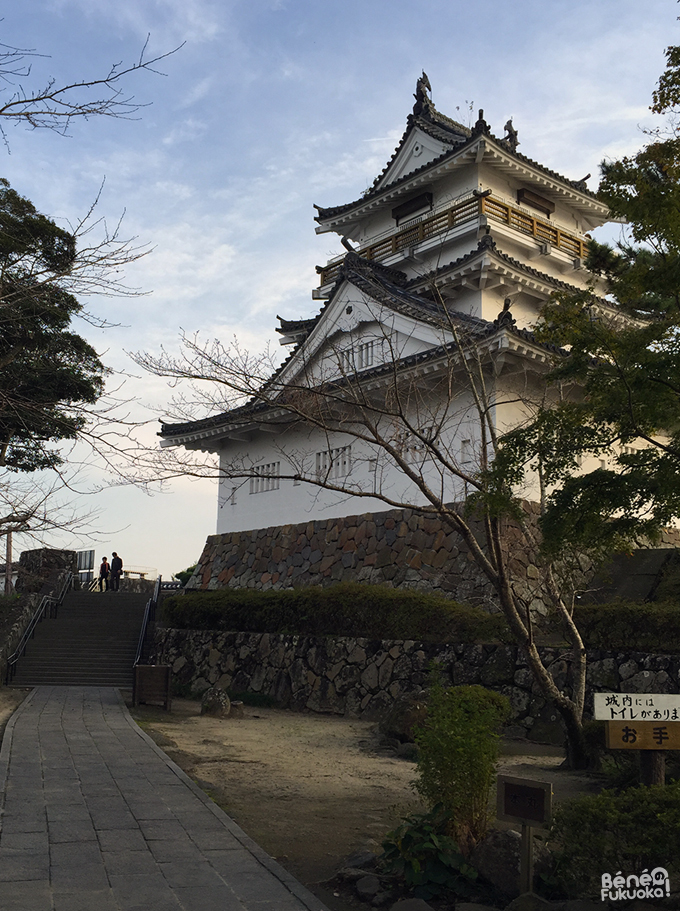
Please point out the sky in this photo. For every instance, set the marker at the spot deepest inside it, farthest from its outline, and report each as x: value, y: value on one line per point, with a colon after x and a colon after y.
x: 268, y: 107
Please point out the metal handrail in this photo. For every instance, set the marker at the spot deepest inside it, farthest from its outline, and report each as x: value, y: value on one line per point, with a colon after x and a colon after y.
x: 54, y: 603
x: 149, y: 614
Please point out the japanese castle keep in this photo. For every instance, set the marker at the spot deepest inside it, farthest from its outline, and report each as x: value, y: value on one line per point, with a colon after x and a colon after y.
x: 460, y: 232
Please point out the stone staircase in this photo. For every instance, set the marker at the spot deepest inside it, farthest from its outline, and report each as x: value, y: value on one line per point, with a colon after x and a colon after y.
x: 92, y: 642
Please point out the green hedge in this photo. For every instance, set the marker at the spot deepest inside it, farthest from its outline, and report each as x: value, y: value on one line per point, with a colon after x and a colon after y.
x: 348, y: 609
x: 652, y: 627
x: 627, y: 833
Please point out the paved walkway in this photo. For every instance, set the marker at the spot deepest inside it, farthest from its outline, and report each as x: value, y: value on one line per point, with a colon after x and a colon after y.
x: 97, y: 818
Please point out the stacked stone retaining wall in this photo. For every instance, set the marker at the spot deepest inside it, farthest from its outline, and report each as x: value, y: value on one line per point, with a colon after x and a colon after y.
x: 363, y: 678
x: 400, y: 548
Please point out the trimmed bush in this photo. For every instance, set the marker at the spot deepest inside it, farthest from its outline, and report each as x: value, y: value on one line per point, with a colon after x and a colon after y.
x: 622, y: 625
x: 349, y: 609
x: 457, y: 755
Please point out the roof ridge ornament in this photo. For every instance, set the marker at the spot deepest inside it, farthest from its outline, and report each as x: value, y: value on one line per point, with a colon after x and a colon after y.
x: 510, y: 138
x: 481, y: 126
x: 423, y: 99
x: 486, y: 242
x: 505, y: 319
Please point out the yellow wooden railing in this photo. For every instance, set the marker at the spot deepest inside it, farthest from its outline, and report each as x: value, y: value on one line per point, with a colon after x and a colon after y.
x: 470, y: 208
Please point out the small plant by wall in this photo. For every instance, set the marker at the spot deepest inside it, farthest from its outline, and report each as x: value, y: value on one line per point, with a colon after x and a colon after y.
x: 457, y: 755
x: 425, y: 859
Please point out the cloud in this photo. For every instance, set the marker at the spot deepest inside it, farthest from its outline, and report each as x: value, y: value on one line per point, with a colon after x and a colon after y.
x: 177, y: 20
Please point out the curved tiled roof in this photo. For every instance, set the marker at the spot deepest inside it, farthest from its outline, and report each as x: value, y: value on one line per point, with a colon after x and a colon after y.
x: 388, y: 287
x: 464, y: 138
x: 488, y: 244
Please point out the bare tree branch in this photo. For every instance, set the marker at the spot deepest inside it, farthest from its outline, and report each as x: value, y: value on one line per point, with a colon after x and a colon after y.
x: 54, y: 106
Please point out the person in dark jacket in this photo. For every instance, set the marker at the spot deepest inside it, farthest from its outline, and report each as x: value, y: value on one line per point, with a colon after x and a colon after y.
x: 104, y: 571
x: 116, y: 571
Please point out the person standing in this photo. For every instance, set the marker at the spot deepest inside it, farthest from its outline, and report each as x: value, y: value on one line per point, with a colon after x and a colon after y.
x: 104, y: 571
x: 116, y: 571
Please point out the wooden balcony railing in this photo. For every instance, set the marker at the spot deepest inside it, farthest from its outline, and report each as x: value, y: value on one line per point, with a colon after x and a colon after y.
x: 467, y: 210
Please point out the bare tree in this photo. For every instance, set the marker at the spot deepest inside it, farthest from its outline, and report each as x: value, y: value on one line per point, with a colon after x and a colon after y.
x: 51, y: 380
x: 37, y: 510
x: 55, y: 105
x: 404, y: 419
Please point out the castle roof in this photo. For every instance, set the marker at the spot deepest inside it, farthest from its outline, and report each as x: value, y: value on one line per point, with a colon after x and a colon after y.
x: 391, y: 289
x: 458, y: 141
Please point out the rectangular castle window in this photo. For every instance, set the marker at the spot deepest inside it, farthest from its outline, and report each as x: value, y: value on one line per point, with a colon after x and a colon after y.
x: 334, y: 463
x: 265, y: 477
x: 366, y: 355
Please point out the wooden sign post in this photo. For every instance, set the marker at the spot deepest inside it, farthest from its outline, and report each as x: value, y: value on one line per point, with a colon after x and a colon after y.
x: 529, y: 803
x: 647, y: 722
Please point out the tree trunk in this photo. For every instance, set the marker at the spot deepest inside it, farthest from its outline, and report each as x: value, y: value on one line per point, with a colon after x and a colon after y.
x: 577, y: 751
x: 652, y: 767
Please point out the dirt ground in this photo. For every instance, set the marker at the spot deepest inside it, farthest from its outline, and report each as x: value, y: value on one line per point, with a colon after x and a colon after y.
x: 10, y: 699
x: 312, y: 789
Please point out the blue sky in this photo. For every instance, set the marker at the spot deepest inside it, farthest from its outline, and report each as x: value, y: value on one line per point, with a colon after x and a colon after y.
x: 269, y: 107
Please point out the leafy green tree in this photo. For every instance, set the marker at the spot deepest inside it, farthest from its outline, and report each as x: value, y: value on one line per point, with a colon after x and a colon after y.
x: 618, y: 390
x: 184, y: 575
x: 48, y: 373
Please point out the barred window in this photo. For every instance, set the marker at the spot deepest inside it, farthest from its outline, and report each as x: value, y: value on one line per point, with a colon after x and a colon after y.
x: 334, y: 463
x: 359, y: 358
x: 414, y: 448
x: 265, y: 477
x: 366, y: 355
x: 347, y: 360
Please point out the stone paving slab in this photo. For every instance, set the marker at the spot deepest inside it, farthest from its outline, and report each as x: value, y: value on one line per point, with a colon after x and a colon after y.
x: 95, y: 817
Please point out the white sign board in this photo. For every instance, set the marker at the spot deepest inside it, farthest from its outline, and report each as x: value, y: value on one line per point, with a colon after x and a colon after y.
x: 636, y: 707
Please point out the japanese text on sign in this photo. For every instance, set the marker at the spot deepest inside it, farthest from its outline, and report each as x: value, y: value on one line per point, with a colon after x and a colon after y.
x: 642, y: 735
x: 636, y: 707
x: 524, y: 800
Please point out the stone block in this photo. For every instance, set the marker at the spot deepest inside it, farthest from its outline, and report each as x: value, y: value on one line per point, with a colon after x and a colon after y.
x: 216, y: 703
x: 642, y: 682
x: 499, y: 667
x: 347, y: 679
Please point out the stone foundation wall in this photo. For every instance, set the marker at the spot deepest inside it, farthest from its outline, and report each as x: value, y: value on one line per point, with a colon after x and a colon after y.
x: 399, y: 548
x: 12, y: 636
x: 42, y: 569
x: 360, y: 677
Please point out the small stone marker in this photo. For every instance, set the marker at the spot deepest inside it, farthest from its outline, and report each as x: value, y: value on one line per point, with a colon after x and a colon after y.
x: 215, y: 702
